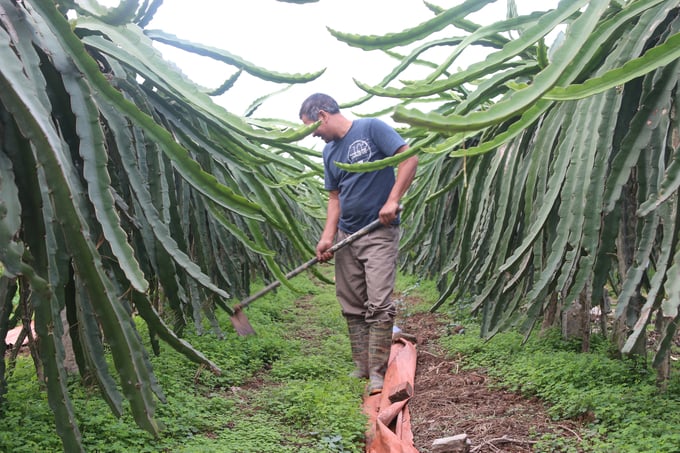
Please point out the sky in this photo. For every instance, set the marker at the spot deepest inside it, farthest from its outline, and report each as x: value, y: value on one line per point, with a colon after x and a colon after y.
x: 293, y: 38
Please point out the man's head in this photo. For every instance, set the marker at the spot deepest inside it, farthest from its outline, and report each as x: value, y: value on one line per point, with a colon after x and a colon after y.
x: 316, y: 103
x: 321, y: 107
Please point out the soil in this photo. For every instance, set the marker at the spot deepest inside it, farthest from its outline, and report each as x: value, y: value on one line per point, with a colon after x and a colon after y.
x: 449, y: 401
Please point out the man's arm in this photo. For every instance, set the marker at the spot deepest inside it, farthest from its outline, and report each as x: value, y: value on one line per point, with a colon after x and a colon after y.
x: 406, y: 171
x: 331, y: 227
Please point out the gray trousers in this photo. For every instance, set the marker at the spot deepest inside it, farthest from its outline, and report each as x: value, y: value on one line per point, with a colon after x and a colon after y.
x: 365, y: 272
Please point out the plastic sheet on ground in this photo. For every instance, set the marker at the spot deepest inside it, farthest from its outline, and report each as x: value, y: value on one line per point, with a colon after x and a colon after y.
x: 13, y: 335
x: 389, y: 429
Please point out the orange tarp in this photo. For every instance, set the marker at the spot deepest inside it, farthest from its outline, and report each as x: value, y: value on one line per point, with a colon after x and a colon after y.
x: 13, y: 335
x: 389, y: 429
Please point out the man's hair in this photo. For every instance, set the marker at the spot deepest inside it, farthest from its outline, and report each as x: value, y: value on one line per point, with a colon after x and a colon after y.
x: 317, y: 102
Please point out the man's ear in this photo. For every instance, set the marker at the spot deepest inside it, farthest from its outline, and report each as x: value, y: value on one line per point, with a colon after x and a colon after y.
x: 323, y: 115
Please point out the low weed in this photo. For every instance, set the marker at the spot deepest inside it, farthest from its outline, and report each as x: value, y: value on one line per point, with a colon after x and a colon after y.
x: 618, y: 400
x: 323, y: 408
x: 283, y: 390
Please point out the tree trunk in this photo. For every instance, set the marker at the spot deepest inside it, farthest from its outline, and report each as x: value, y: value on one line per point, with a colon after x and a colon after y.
x: 587, y: 304
x: 576, y: 319
x: 663, y: 370
x: 550, y: 315
x: 625, y: 251
x: 26, y: 317
x: 8, y: 289
x: 70, y: 364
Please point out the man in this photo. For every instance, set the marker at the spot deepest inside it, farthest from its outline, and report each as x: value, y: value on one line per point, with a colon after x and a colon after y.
x: 365, y: 270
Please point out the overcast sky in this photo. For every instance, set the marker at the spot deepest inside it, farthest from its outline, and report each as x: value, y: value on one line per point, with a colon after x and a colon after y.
x: 292, y: 38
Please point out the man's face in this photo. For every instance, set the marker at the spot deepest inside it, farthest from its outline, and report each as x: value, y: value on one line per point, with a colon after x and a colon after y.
x: 323, y: 130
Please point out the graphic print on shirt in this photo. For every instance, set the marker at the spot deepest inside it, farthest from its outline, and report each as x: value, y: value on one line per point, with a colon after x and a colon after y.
x: 359, y: 151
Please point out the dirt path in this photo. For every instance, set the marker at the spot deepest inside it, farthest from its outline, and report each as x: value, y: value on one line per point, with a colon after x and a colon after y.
x: 448, y: 401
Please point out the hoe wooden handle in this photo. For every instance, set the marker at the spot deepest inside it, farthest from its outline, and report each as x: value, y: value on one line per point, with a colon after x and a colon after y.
x: 337, y: 246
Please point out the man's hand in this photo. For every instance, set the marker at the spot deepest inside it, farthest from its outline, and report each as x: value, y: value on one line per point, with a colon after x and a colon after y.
x: 322, y: 253
x: 388, y: 212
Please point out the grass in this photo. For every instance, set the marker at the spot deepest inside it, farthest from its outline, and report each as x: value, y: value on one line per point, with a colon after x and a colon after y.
x: 287, y: 390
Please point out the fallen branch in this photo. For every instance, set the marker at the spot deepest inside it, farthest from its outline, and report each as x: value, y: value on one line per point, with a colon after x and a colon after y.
x: 504, y: 439
x: 566, y: 428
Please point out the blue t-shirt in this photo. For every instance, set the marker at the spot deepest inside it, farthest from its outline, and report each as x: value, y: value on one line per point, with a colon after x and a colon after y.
x: 361, y: 194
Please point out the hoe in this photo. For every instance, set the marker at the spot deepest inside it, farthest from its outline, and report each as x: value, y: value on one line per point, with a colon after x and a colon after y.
x: 239, y: 319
